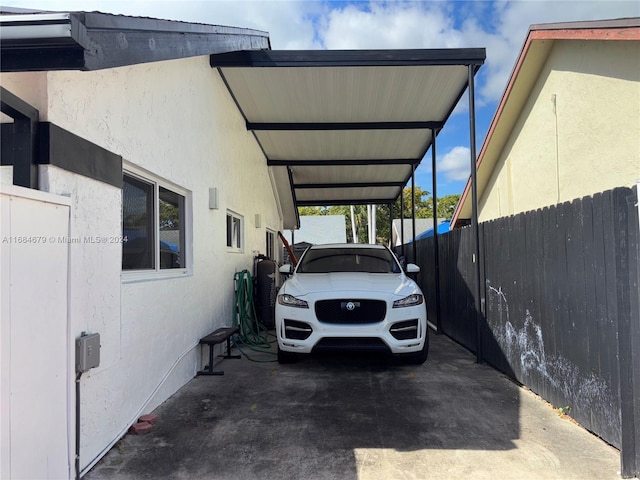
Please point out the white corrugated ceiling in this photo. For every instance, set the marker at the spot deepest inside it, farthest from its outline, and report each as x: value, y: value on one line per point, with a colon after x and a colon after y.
x: 345, y: 127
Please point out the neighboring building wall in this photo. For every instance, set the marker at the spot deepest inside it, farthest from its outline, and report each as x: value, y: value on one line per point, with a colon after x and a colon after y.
x: 317, y: 229
x: 578, y: 134
x: 175, y: 120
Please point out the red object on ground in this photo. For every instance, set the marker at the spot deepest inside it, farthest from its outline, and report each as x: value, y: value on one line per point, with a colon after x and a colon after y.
x: 140, y: 428
x: 149, y: 418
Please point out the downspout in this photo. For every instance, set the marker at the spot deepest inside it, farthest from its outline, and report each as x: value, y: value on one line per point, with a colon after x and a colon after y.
x: 474, y: 215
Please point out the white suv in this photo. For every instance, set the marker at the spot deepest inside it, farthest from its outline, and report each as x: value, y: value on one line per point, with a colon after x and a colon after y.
x: 351, y: 296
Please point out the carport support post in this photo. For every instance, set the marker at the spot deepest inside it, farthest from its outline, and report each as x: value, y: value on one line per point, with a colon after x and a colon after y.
x: 474, y: 215
x: 391, y: 245
x: 436, y: 259
x: 413, y: 210
x: 402, y: 222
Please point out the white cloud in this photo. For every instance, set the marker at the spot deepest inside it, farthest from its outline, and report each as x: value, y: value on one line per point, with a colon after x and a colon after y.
x: 456, y: 164
x: 389, y: 25
x: 500, y: 26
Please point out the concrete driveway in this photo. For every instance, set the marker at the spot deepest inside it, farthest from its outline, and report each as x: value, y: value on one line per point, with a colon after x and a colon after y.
x: 359, y: 417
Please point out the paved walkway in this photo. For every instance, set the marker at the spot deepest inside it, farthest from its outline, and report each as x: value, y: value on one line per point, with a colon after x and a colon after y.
x: 359, y: 417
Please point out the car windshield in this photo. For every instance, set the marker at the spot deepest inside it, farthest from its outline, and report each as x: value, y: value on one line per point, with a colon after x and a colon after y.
x: 327, y: 260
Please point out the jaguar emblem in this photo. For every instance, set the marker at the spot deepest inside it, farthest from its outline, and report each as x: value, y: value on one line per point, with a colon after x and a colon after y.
x: 351, y: 306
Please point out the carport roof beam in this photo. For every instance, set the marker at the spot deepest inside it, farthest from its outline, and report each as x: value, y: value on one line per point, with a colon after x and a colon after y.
x: 348, y: 162
x: 345, y: 126
x: 349, y: 58
x: 349, y: 185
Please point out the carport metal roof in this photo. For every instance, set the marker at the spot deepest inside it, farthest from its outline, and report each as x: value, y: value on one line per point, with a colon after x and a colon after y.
x: 345, y: 127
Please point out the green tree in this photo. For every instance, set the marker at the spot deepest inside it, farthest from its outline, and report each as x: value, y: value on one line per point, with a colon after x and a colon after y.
x: 446, y: 206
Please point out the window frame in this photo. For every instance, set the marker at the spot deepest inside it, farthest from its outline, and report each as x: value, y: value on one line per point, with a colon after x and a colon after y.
x: 236, y: 219
x: 270, y: 244
x: 157, y: 273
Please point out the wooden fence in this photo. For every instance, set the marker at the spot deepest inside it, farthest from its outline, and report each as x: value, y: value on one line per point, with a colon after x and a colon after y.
x: 559, y: 307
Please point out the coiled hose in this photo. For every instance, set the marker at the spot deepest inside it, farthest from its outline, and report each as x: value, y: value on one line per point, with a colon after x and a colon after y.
x: 253, y: 335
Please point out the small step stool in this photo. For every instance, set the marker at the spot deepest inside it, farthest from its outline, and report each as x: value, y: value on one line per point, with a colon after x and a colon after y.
x: 214, y: 338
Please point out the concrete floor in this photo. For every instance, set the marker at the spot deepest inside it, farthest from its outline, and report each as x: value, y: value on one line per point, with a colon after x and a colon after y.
x: 359, y: 417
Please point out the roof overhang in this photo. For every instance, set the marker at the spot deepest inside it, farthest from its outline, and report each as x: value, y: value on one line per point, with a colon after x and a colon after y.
x: 44, y: 41
x: 535, y: 51
x: 345, y: 127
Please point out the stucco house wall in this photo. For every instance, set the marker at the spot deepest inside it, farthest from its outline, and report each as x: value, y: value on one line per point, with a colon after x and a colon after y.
x: 577, y: 134
x: 176, y: 122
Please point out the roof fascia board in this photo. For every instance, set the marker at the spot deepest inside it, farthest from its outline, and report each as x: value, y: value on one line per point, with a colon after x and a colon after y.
x: 94, y: 41
x: 629, y: 33
x: 102, y: 21
x: 346, y: 58
x: 345, y: 126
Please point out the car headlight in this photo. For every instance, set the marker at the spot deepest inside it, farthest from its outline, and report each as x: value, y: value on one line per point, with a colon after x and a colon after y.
x: 291, y: 301
x: 410, y: 301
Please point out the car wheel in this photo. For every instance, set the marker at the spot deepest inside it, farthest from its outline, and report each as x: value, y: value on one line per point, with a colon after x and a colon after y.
x: 286, y: 357
x: 418, y: 358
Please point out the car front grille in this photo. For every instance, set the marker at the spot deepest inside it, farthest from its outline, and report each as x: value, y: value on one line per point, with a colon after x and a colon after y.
x: 351, y: 344
x: 350, y: 311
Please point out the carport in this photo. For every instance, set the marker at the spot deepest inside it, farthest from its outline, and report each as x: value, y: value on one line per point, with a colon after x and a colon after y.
x: 350, y: 127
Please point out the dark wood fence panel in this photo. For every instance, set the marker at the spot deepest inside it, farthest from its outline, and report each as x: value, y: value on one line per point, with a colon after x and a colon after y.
x: 542, y: 277
x: 560, y: 289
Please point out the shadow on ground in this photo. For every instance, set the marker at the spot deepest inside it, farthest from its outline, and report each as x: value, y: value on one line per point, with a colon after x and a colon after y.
x: 306, y: 420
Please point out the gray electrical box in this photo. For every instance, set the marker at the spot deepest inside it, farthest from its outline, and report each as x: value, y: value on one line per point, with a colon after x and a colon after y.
x: 87, y: 352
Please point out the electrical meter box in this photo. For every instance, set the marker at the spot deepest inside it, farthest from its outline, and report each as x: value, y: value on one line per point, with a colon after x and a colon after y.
x: 87, y: 352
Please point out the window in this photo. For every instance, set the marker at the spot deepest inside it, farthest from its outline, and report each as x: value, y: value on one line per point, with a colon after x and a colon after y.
x: 153, y: 225
x: 270, y: 249
x: 234, y: 231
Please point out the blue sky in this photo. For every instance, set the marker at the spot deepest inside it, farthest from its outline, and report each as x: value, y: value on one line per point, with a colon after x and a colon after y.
x: 499, y: 26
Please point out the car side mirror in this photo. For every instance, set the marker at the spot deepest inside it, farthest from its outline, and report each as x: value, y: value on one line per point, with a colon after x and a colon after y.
x: 286, y: 269
x: 412, y: 268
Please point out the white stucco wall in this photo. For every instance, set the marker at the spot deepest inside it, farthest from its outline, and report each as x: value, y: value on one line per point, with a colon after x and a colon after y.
x: 176, y: 120
x: 578, y: 134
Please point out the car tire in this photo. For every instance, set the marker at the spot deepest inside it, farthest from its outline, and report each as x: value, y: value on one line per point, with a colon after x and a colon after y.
x: 286, y: 357
x: 418, y: 358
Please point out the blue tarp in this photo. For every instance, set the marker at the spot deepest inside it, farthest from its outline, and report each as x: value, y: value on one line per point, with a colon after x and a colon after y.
x: 442, y: 228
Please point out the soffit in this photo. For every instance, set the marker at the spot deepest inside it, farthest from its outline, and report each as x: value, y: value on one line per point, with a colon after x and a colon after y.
x: 345, y: 126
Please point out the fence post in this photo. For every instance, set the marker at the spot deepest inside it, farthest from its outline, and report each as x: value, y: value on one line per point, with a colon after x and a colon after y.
x: 626, y: 231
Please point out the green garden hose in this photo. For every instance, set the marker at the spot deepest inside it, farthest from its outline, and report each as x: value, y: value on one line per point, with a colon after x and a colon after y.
x: 253, y: 335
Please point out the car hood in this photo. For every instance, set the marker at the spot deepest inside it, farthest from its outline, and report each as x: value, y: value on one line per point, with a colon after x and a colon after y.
x: 348, y: 283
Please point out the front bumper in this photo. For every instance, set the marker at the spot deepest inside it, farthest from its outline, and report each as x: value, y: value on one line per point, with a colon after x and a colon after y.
x: 403, y: 330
